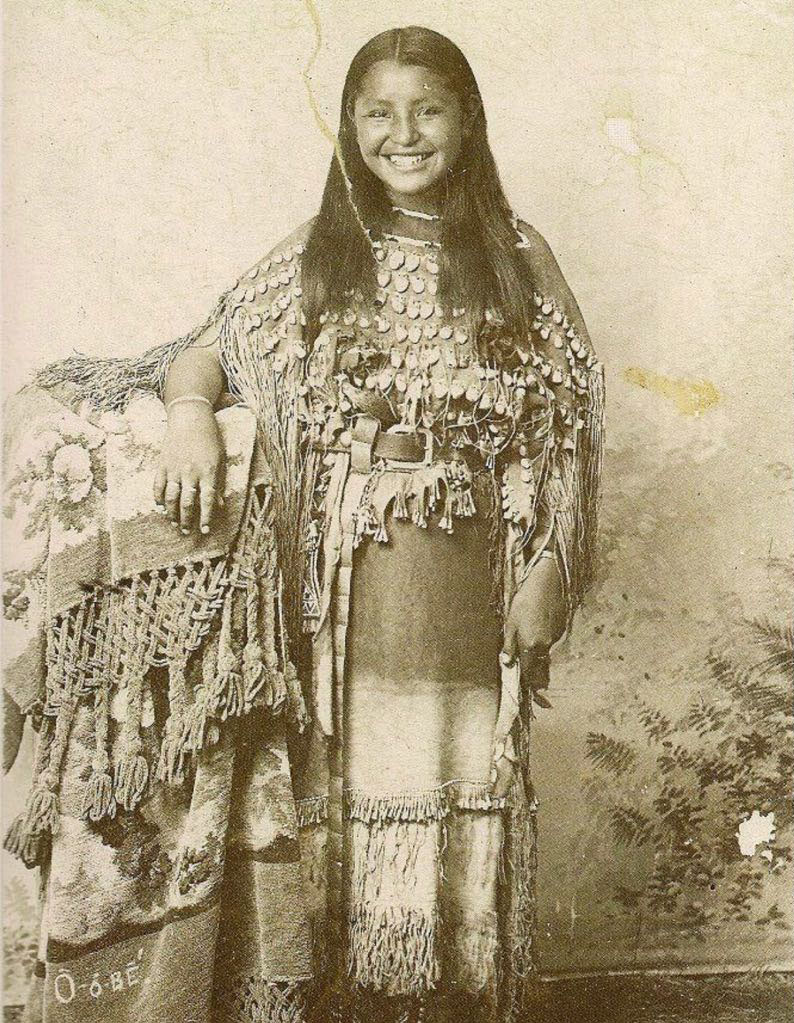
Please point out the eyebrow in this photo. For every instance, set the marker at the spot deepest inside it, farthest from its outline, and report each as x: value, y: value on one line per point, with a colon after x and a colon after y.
x: 435, y: 98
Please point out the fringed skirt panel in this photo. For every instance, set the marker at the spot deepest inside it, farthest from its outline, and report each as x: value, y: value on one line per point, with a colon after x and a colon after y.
x: 422, y: 896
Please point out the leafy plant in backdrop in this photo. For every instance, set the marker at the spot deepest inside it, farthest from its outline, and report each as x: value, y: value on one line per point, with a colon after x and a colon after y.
x: 680, y: 783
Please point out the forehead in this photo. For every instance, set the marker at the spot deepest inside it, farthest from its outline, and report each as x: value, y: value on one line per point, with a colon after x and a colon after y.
x: 387, y: 80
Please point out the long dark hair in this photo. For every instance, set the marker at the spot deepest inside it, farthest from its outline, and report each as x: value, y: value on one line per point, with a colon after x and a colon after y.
x: 480, y: 267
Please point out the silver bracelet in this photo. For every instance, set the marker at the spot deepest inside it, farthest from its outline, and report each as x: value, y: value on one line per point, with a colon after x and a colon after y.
x: 191, y: 398
x: 545, y: 554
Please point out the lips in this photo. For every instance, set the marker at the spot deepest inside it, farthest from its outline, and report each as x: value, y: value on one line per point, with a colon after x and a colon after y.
x: 407, y: 161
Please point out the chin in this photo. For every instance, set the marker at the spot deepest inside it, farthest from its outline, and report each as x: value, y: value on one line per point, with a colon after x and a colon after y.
x: 412, y: 188
x: 411, y: 185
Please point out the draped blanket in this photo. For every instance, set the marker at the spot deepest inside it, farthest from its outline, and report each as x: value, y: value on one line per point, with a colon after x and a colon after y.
x: 102, y: 591
x: 134, y: 650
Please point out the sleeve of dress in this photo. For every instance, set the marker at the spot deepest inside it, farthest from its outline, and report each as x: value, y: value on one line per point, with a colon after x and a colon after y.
x: 552, y: 474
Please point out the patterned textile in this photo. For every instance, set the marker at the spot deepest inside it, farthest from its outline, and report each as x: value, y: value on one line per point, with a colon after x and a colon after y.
x: 140, y: 653
x: 187, y: 909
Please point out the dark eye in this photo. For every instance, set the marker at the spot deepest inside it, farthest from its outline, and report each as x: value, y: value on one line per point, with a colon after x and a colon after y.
x: 378, y: 114
x: 431, y: 111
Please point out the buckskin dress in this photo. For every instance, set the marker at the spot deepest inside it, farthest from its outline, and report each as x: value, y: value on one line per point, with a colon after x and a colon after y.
x: 447, y: 463
x: 414, y: 474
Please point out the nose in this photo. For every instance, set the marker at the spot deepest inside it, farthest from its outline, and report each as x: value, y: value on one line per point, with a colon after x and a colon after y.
x: 403, y: 129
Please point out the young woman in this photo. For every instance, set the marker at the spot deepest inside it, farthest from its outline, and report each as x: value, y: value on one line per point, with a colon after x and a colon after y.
x: 429, y: 408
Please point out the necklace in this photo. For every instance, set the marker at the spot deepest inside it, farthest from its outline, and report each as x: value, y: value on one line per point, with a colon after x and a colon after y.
x: 415, y: 213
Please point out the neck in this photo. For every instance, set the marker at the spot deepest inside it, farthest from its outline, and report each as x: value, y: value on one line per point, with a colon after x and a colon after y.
x: 416, y: 214
x: 409, y: 226
x: 426, y: 204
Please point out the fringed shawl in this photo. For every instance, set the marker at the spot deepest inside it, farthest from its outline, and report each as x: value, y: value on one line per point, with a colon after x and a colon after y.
x: 105, y: 602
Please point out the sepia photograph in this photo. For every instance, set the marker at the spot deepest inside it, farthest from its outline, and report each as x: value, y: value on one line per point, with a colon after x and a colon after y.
x: 398, y: 491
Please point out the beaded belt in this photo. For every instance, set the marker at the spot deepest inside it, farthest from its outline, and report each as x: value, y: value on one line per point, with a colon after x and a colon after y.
x: 400, y: 448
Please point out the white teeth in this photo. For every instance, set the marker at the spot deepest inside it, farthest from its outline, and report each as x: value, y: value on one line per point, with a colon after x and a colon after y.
x: 405, y: 161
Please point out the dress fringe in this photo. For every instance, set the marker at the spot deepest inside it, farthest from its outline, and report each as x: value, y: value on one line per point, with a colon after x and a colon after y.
x: 430, y: 805
x: 257, y: 1000
x: 393, y: 949
x: 405, y: 807
x: 313, y: 810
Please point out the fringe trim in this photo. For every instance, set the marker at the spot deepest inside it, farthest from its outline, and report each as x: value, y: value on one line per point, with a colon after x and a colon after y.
x: 571, y: 493
x: 98, y: 799
x: 518, y: 867
x: 393, y: 949
x: 405, y: 808
x: 132, y: 779
x: 414, y: 495
x: 116, y: 637
x: 111, y: 384
x: 32, y: 831
x: 257, y: 1000
x: 26, y: 845
x: 418, y: 807
x: 24, y: 839
x: 312, y: 810
x: 269, y: 382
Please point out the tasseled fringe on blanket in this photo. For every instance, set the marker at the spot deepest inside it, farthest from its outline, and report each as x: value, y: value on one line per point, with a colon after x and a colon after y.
x: 393, y: 949
x: 117, y: 636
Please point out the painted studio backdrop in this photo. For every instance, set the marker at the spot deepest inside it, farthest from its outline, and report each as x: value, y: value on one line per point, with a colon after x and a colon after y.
x: 155, y: 149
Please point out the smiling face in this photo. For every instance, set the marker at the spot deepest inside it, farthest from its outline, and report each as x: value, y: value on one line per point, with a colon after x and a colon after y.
x: 410, y: 128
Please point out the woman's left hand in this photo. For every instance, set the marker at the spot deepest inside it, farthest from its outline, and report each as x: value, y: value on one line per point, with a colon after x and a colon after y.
x: 536, y: 620
x: 502, y: 777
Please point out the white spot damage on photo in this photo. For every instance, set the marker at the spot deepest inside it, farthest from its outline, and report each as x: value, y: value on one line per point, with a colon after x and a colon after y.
x: 621, y: 133
x: 758, y: 829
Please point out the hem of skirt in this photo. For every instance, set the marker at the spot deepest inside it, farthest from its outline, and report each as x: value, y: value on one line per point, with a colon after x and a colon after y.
x: 405, y: 807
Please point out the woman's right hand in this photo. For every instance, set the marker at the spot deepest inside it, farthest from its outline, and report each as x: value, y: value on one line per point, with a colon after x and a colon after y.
x: 13, y: 727
x: 188, y: 486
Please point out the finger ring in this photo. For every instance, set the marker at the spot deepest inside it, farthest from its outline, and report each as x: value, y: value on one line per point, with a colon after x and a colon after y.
x: 189, y: 490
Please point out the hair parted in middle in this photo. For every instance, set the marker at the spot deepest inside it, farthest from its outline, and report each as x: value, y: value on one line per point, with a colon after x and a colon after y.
x: 480, y: 267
